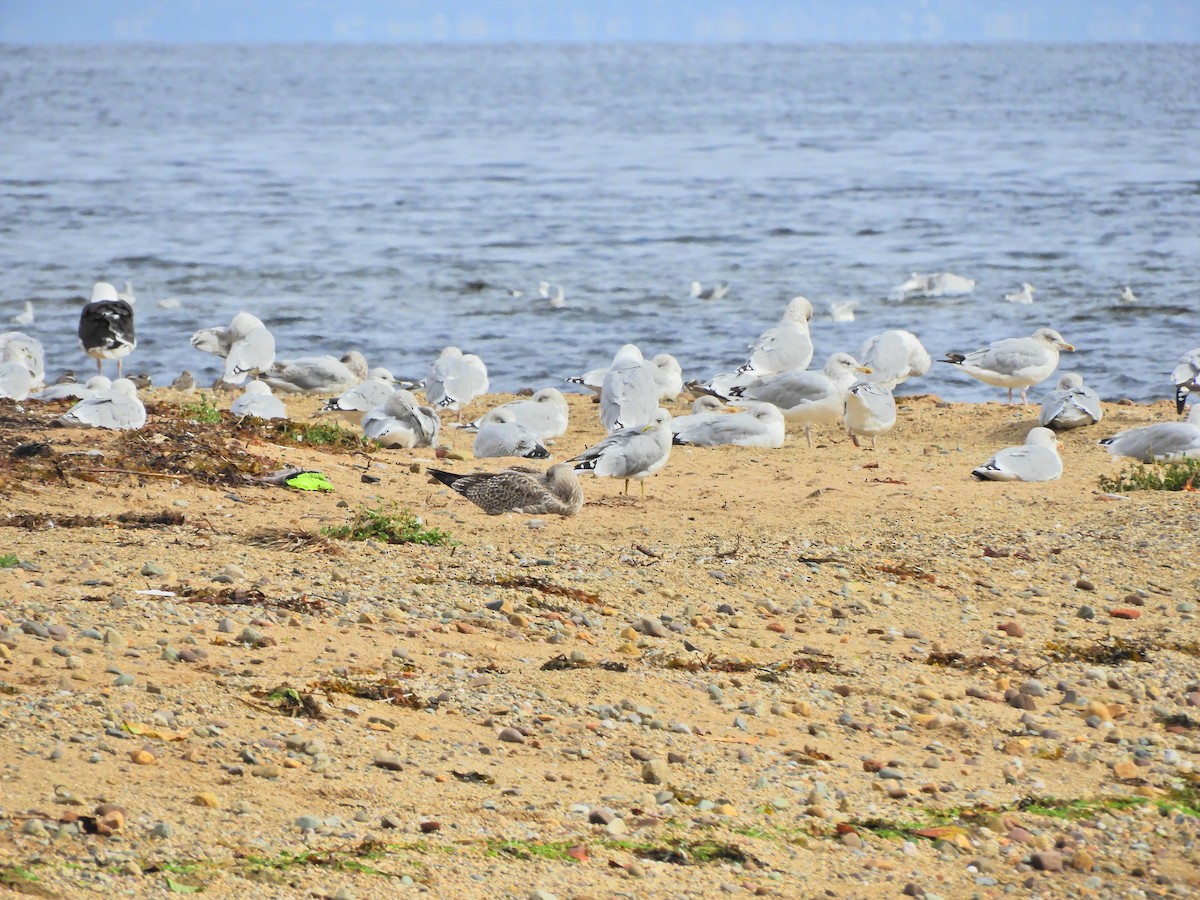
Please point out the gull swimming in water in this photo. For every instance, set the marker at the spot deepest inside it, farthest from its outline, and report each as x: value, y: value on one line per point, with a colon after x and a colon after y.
x: 842, y: 310
x: 519, y: 489
x: 1035, y: 460
x: 106, y: 327
x: 1128, y: 297
x: 807, y: 398
x: 636, y: 452
x: 893, y: 357
x: 1024, y: 296
x: 1014, y: 362
x: 869, y: 411
x: 546, y: 414
x: 25, y: 316
x: 72, y: 390
x: 937, y: 284
x: 1186, y: 378
x: 364, y: 397
x: 759, y: 425
x: 1072, y: 405
x: 258, y: 401
x: 127, y: 294
x: 1165, y: 441
x: 629, y: 393
x: 317, y: 374
x: 401, y: 422
x: 500, y: 434
x: 786, y: 345
x: 455, y: 379
x: 716, y: 292
x: 117, y: 408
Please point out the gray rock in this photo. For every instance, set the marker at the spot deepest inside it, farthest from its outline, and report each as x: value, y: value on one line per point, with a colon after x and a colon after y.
x: 655, y: 771
x: 511, y: 736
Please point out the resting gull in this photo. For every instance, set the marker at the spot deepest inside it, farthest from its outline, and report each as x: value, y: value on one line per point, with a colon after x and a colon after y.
x: 784, y: 346
x: 34, y: 354
x: 106, y: 327
x: 185, y: 383
x: 629, y: 393
x: 500, y: 434
x: 1186, y: 378
x: 1072, y: 405
x: 455, y: 379
x: 869, y: 411
x: 1166, y: 441
x: 519, y: 489
x: 17, y: 362
x: 401, y: 422
x: 117, y: 408
x: 807, y: 398
x: 72, y: 390
x: 545, y: 413
x: 317, y: 374
x: 893, y: 357
x: 258, y: 401
x: 1035, y: 460
x: 759, y: 425
x: 636, y: 452
x: 1014, y: 362
x: 364, y: 397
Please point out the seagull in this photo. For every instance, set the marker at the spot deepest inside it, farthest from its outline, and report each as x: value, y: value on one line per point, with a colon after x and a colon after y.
x: 169, y: 303
x: 258, y: 401
x: 629, y: 392
x: 500, y: 434
x: 716, y: 292
x: 455, y: 379
x: 636, y: 452
x: 937, y: 284
x: 1128, y: 297
x: 251, y: 348
x: 1024, y: 296
x: 117, y: 408
x: 843, y: 310
x: 127, y: 294
x: 185, y: 383
x: 668, y: 375
x: 870, y: 410
x: 16, y: 377
x: 72, y: 390
x: 519, y: 489
x: 317, y: 374
x: 546, y: 414
x: 1186, y: 378
x: 25, y: 316
x: 106, y: 327
x: 401, y: 422
x: 893, y: 357
x: 1014, y: 362
x: 1165, y: 441
x: 559, y: 300
x: 141, y: 380
x: 362, y: 398
x: 1070, y: 406
x: 786, y: 345
x: 760, y: 425
x: 1035, y: 460
x: 807, y: 398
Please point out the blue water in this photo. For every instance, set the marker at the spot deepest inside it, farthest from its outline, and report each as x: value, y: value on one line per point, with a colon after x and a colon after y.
x: 389, y: 198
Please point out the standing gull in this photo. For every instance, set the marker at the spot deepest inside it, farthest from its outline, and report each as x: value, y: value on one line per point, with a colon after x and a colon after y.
x: 629, y: 393
x: 668, y: 376
x: 636, y: 452
x: 519, y: 489
x: 251, y: 348
x: 455, y: 379
x: 117, y: 408
x: 786, y: 345
x: 1166, y: 441
x: 893, y: 357
x: 362, y: 398
x: 1035, y: 460
x: 106, y: 327
x: 500, y: 434
x: 401, y: 422
x: 546, y: 414
x: 317, y: 374
x: 807, y: 398
x: 258, y: 401
x: 870, y: 410
x: 1186, y: 377
x: 1014, y: 362
x: 760, y: 425
x: 1072, y: 405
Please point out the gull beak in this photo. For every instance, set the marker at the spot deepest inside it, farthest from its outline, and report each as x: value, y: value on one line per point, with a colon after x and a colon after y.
x: 1070, y: 347
x: 866, y: 370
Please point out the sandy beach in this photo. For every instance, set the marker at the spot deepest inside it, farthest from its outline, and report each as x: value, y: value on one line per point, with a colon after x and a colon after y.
x: 795, y: 673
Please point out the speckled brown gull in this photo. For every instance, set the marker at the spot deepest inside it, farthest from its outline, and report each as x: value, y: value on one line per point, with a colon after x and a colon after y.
x: 519, y: 489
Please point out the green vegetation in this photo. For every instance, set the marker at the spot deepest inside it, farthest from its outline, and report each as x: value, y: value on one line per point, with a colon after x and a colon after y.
x: 553, y: 850
x: 328, y: 434
x: 9, y: 561
x: 202, y: 411
x: 389, y: 526
x: 1172, y: 476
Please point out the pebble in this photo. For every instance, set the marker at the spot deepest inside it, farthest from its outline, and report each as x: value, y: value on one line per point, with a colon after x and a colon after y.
x: 1012, y: 629
x: 389, y: 761
x: 511, y: 736
x: 655, y: 771
x: 308, y: 823
x: 1047, y: 861
x: 1122, y: 612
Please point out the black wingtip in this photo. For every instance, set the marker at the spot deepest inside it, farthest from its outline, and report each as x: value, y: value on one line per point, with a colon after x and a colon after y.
x: 538, y: 452
x: 954, y: 358
x: 446, y: 478
x: 1181, y: 394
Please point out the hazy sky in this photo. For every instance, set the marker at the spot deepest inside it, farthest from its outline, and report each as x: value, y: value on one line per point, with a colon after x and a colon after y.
x: 94, y: 21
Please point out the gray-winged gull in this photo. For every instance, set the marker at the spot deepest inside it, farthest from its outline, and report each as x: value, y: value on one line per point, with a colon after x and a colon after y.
x: 936, y: 284
x: 317, y: 374
x: 72, y: 390
x: 354, y: 403
x: 629, y: 394
x: 869, y: 411
x: 258, y: 401
x: 636, y: 452
x: 1165, y: 441
x: 34, y: 355
x: 106, y: 327
x: 1035, y: 460
x: 16, y: 370
x: 759, y: 425
x: 500, y: 434
x: 545, y: 413
x: 251, y: 348
x: 455, y: 379
x: 893, y: 357
x: 1186, y: 378
x: 401, y: 422
x: 519, y: 489
x: 1072, y: 405
x: 786, y: 345
x: 117, y: 408
x: 1014, y: 362
x: 716, y: 292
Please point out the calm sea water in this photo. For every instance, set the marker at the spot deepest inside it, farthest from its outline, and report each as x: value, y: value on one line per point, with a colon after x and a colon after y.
x: 390, y: 198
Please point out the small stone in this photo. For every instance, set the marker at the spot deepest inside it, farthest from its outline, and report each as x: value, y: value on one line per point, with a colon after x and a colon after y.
x: 142, y: 758
x: 1083, y: 861
x: 511, y: 736
x: 389, y: 761
x: 1085, y: 585
x: 1012, y: 629
x: 162, y: 830
x: 655, y: 771
x: 1123, y: 612
x: 153, y: 568
x: 1125, y: 769
x: 269, y: 770
x: 1047, y: 861
x: 207, y: 799
x: 308, y: 823
x: 1086, y: 612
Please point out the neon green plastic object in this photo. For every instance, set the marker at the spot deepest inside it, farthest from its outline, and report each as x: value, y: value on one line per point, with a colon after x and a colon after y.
x: 310, y: 481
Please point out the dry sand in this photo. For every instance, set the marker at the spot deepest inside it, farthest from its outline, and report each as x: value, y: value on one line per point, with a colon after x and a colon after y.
x: 852, y: 673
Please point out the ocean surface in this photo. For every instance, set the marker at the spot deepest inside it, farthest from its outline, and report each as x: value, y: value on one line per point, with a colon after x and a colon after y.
x: 392, y: 198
